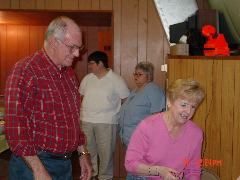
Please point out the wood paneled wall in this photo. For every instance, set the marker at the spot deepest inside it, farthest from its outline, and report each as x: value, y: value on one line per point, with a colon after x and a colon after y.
x: 137, y: 30
x: 16, y: 42
x: 138, y: 35
x: 219, y: 113
x: 203, y: 4
x: 19, y: 41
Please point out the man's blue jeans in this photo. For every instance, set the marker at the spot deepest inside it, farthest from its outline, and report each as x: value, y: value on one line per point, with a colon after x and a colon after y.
x: 57, y: 168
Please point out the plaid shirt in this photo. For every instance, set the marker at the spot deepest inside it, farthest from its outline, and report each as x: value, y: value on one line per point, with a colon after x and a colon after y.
x: 42, y: 107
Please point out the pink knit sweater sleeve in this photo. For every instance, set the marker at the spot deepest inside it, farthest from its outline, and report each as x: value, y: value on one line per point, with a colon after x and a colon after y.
x: 137, y: 148
x: 193, y: 170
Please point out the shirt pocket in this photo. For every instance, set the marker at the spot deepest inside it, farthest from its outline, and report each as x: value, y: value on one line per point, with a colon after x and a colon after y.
x: 48, y: 97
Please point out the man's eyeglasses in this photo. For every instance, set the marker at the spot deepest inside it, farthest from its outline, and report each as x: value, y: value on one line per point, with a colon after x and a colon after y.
x: 72, y: 47
x: 138, y: 74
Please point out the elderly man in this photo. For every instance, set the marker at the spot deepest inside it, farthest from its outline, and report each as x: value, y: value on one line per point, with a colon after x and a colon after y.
x: 42, y: 109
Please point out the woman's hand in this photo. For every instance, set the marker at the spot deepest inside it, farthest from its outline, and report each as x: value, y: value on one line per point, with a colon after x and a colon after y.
x: 165, y: 173
x: 169, y: 174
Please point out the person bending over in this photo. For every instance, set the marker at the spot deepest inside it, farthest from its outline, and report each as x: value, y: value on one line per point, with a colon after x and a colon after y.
x: 168, y: 145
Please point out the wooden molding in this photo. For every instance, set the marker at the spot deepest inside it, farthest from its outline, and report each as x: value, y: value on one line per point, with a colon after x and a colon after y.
x: 43, y: 17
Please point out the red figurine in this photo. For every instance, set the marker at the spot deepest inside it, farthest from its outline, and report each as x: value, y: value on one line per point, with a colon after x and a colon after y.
x: 214, y: 46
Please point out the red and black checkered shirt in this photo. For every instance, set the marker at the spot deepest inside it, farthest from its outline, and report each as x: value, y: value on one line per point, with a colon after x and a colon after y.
x: 42, y: 107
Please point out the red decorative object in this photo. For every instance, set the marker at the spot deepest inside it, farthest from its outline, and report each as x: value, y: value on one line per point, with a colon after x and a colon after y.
x: 215, y: 46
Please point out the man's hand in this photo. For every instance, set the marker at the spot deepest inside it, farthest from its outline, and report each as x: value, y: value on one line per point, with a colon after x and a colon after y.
x: 86, y: 167
x: 42, y: 175
x: 39, y: 171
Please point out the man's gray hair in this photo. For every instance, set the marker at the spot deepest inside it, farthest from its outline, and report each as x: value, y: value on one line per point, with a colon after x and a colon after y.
x: 57, y: 28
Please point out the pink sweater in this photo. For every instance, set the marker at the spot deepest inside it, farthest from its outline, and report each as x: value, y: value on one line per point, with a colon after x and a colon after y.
x: 151, y: 144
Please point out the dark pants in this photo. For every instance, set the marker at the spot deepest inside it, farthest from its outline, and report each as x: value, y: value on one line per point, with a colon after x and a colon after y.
x: 135, y: 177
x: 59, y: 169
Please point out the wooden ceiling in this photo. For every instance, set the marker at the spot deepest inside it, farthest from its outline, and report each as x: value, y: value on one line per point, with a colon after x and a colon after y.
x: 43, y: 17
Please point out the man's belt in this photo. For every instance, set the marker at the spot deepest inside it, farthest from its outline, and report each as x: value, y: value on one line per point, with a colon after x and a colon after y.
x: 51, y: 155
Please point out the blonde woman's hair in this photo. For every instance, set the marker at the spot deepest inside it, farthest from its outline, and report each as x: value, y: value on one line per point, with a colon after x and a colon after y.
x: 187, y: 89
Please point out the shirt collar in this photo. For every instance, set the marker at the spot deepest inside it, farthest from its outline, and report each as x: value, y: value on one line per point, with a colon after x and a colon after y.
x: 109, y: 73
x: 106, y: 75
x: 51, y: 66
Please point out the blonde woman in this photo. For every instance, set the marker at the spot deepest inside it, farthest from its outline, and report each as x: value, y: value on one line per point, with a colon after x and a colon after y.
x: 168, y: 145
